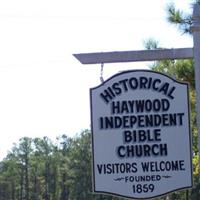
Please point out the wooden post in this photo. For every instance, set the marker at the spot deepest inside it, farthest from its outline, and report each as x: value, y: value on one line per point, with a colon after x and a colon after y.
x: 196, y: 40
x: 134, y: 56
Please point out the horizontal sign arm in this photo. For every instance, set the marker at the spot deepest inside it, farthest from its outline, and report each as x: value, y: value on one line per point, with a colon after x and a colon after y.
x: 133, y: 56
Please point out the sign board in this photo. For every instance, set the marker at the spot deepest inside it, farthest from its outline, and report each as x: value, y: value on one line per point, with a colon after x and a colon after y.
x: 141, y: 135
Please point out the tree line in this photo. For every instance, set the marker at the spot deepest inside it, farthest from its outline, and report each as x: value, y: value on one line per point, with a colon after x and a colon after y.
x: 39, y: 169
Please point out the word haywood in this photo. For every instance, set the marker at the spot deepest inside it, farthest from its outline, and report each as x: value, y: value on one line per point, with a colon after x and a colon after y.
x: 140, y: 106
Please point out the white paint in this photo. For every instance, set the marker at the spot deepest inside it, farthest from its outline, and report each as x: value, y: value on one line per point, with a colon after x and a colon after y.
x: 107, y: 141
x: 196, y: 40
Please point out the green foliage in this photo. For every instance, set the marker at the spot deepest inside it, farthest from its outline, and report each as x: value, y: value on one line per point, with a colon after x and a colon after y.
x: 37, y: 169
x: 179, y: 18
x: 59, y: 171
x: 182, y: 70
x: 151, y: 43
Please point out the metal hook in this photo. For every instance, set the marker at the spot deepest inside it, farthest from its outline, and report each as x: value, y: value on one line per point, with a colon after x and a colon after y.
x: 101, y: 73
x: 174, y: 75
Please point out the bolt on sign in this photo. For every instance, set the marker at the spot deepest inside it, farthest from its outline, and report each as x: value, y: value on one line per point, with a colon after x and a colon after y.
x: 141, y: 135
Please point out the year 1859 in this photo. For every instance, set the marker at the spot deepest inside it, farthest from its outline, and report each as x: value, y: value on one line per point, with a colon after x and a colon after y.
x: 143, y: 188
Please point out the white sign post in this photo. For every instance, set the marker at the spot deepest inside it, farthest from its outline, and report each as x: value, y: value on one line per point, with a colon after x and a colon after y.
x: 158, y: 54
x: 196, y: 40
x: 141, y: 135
x: 150, y: 176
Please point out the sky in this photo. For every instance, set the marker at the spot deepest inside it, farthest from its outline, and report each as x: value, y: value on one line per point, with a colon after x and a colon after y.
x: 44, y: 90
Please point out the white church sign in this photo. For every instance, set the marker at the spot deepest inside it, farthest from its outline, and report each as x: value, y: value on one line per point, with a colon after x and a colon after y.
x: 141, y: 135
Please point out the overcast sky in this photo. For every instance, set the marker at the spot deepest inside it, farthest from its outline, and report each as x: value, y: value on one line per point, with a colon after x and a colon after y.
x: 44, y: 90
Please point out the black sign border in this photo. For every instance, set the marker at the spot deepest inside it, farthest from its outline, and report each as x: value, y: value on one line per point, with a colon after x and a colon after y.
x: 189, y: 125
